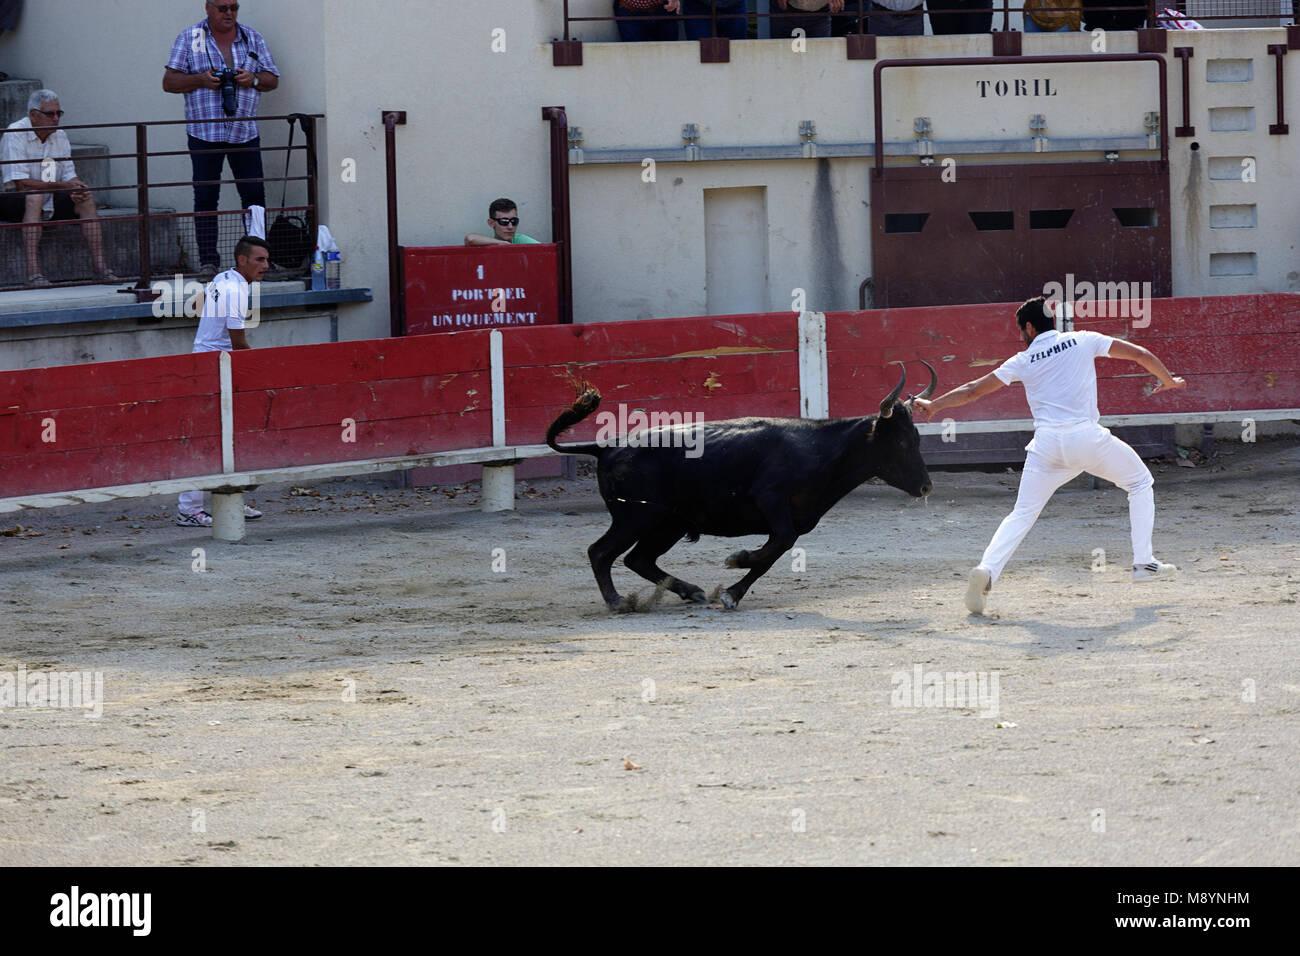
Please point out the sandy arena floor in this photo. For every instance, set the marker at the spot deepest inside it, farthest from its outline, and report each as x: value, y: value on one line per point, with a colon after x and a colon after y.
x: 356, y: 683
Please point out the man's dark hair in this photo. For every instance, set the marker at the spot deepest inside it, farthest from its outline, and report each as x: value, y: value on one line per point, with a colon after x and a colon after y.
x: 1034, y: 312
x: 244, y: 247
x: 500, y: 205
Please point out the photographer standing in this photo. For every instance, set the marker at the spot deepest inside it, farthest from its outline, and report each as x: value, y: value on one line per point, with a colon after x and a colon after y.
x: 222, y: 68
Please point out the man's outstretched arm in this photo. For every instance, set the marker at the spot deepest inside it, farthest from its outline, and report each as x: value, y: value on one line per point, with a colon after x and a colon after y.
x: 960, y: 395
x: 1129, y: 352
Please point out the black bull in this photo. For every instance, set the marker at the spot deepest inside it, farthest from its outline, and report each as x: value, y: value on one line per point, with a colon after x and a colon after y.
x: 772, y: 476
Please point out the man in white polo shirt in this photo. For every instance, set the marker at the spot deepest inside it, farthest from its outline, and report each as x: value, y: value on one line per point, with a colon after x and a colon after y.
x: 221, y: 329
x: 42, y: 184
x: 1060, y: 381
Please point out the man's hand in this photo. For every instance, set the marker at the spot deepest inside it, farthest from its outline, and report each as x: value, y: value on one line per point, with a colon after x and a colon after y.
x: 924, y: 404
x: 78, y: 191
x: 1174, y: 382
x: 210, y: 80
x: 244, y: 78
x: 673, y: 6
x: 837, y: 6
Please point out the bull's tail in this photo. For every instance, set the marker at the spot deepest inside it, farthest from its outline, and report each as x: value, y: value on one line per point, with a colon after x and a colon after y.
x: 587, y: 401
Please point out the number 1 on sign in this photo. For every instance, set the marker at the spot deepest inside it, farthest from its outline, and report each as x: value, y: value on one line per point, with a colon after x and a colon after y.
x: 480, y: 271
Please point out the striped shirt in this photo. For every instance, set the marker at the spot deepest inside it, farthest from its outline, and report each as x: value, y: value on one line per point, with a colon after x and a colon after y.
x: 196, y: 51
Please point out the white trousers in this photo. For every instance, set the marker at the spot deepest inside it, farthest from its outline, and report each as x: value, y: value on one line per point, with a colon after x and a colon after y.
x: 189, y: 502
x: 1055, y: 456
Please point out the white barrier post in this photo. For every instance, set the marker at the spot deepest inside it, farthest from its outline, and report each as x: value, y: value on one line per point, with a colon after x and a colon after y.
x: 814, y: 389
x: 498, y: 480
x: 228, y: 516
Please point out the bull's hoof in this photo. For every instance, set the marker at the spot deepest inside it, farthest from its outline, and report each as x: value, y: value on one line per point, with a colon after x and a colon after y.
x: 697, y: 596
x: 729, y: 602
x: 735, y: 559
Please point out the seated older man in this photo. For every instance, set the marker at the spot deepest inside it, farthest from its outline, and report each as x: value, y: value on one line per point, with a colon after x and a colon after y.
x: 42, y: 184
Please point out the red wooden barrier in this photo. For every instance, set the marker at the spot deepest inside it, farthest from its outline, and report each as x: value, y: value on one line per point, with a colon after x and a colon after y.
x: 111, y: 423
x: 1237, y: 352
x: 721, y: 367
x: 405, y: 396
x: 118, y: 423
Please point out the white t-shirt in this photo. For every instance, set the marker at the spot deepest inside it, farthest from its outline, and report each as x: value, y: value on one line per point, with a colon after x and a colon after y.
x: 225, y: 307
x: 1059, y: 375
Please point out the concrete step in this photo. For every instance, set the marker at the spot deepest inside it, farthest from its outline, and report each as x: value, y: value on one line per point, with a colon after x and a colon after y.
x: 92, y: 168
x: 64, y: 256
x: 13, y: 98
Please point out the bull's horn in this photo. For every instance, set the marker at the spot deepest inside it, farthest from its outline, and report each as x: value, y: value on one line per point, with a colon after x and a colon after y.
x: 934, y: 380
x: 887, y: 406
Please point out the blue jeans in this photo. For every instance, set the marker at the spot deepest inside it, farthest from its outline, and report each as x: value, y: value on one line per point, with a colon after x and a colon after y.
x: 735, y: 27
x: 630, y: 32
x: 206, y: 159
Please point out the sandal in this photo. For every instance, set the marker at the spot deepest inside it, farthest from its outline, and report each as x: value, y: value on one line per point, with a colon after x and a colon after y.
x: 38, y: 281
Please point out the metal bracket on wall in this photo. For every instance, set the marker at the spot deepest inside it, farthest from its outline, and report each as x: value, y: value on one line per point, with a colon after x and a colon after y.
x: 922, y: 127
x: 691, y: 134
x: 1038, y: 127
x: 1153, y: 40
x: 808, y: 136
x: 566, y: 53
x: 1185, y: 53
x: 1151, y: 121
x: 1280, y: 128
x: 860, y: 46
x: 715, y: 50
x: 575, y: 146
x: 1006, y: 43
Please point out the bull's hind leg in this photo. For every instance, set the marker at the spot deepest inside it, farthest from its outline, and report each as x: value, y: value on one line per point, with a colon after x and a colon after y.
x: 643, y: 557
x: 604, y: 551
x: 758, y: 562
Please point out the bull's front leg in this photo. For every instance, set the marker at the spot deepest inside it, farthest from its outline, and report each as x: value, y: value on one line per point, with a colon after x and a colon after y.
x: 758, y: 562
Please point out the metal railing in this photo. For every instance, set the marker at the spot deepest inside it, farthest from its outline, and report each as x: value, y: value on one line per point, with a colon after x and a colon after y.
x: 862, y: 13
x: 144, y: 228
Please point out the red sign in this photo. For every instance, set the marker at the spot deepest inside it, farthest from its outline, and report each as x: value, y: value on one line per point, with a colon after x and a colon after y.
x: 460, y: 288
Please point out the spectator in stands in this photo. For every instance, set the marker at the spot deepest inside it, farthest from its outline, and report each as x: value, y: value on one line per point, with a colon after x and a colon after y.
x: 503, y: 217
x: 893, y: 18
x: 733, y: 26
x: 814, y: 18
x: 1053, y: 16
x: 976, y: 16
x: 1113, y: 19
x: 41, y: 183
x: 225, y: 315
x: 630, y: 31
x: 200, y: 56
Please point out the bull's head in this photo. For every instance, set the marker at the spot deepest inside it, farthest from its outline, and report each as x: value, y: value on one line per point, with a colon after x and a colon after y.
x: 898, y: 442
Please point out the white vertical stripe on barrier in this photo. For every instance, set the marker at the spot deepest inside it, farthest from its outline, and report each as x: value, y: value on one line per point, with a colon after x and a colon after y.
x: 497, y: 361
x: 227, y: 414
x: 814, y: 388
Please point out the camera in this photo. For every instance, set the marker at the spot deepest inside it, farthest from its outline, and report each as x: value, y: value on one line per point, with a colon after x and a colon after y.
x: 229, y: 102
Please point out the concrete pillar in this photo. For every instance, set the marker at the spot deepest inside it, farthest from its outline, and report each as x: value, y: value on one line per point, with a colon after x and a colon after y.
x: 228, y: 516
x: 498, y: 488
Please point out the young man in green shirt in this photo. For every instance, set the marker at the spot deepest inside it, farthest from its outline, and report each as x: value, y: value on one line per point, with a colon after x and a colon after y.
x: 503, y: 217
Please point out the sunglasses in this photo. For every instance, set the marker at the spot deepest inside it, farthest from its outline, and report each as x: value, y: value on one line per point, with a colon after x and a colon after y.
x: 507, y: 222
x: 55, y: 113
x: 223, y: 7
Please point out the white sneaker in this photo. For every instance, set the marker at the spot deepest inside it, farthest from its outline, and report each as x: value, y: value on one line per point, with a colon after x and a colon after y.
x: 1152, y: 571
x: 251, y: 513
x: 981, y: 582
x: 200, y: 519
